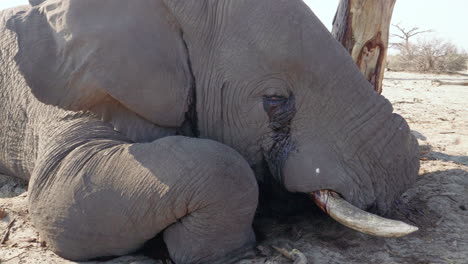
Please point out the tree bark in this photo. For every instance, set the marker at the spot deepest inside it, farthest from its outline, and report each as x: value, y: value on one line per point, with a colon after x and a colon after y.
x: 362, y: 26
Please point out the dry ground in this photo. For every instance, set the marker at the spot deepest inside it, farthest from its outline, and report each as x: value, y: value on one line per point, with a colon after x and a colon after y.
x: 438, y: 203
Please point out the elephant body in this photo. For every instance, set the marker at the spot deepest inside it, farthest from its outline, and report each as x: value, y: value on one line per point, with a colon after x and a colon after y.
x: 132, y: 119
x: 83, y: 214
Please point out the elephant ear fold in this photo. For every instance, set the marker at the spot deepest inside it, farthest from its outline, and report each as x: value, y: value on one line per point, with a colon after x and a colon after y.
x: 40, y: 58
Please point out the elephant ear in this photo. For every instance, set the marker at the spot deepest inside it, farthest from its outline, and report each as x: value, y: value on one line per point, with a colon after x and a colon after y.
x: 76, y: 54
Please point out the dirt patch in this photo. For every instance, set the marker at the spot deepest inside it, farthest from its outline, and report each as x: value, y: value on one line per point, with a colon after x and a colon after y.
x: 438, y: 203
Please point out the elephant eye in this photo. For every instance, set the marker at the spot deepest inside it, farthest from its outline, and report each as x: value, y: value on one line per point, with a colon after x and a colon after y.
x: 273, y: 102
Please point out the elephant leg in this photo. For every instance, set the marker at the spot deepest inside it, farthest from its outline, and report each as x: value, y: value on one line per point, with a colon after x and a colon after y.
x: 92, y: 194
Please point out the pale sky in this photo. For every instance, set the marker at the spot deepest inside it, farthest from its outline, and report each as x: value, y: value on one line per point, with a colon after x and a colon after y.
x: 448, y: 18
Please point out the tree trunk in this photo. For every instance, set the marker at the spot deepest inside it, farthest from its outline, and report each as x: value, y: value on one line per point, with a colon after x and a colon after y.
x: 362, y: 26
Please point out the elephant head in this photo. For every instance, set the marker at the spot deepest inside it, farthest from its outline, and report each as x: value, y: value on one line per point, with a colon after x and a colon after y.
x: 272, y: 83
x: 263, y: 77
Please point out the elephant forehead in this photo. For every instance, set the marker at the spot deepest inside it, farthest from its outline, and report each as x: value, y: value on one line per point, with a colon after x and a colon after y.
x: 263, y: 37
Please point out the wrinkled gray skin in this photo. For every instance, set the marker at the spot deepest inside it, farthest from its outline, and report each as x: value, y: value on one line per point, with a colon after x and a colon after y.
x: 131, y: 118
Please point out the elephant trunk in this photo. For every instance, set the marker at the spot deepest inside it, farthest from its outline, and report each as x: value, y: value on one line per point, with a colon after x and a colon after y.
x: 344, y: 184
x: 345, y: 213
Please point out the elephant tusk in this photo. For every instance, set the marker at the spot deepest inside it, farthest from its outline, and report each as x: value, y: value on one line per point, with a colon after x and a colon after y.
x: 347, y: 214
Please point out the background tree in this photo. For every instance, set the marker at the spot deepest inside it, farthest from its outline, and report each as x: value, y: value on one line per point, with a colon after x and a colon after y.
x: 425, y: 54
x: 362, y: 26
x: 404, y: 35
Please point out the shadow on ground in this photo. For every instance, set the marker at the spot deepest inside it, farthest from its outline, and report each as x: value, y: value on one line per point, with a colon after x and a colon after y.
x: 445, y: 157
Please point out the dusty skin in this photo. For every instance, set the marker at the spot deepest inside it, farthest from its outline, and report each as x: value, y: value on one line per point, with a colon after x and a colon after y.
x: 438, y: 204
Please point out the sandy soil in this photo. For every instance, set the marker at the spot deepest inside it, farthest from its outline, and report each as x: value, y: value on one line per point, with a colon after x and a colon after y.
x: 437, y: 204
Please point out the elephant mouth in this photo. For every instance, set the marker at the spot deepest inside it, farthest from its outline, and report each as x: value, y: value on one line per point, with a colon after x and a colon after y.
x: 345, y: 213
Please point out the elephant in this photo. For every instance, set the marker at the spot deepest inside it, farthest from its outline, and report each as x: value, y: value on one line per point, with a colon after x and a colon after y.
x: 131, y: 119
